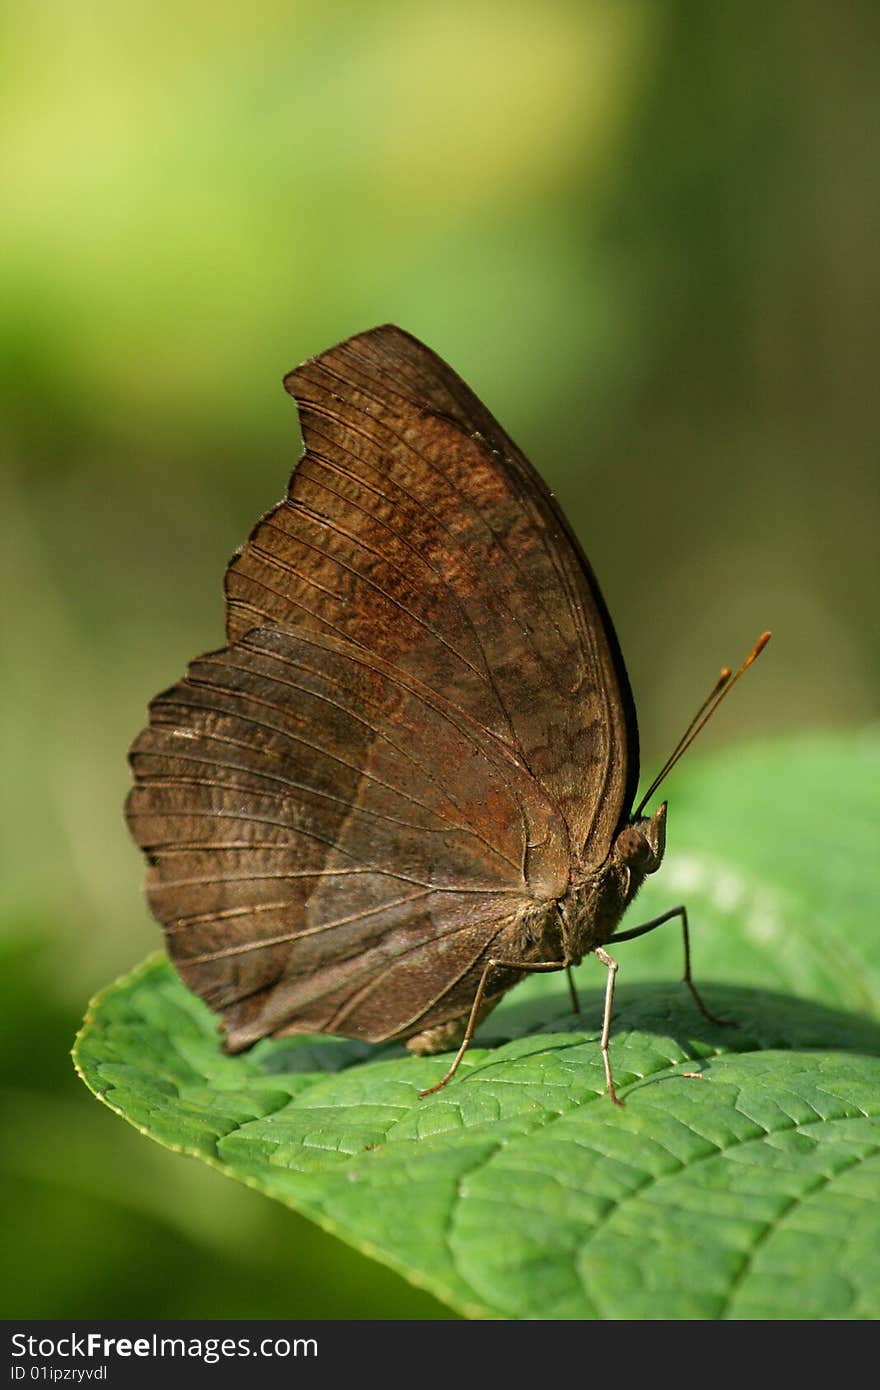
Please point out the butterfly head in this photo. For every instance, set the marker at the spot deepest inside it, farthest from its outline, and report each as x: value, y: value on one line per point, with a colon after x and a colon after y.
x: 593, y: 907
x: 641, y: 843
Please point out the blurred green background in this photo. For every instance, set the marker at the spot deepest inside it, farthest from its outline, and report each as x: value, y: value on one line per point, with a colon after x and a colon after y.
x: 646, y: 234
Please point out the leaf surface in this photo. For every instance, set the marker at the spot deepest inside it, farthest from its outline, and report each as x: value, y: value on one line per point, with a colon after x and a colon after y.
x: 519, y: 1191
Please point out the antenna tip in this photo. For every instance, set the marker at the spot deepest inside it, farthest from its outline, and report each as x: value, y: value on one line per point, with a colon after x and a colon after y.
x: 755, y: 652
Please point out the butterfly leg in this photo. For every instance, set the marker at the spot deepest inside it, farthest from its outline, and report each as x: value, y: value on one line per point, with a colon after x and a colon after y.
x: 681, y: 912
x: 611, y: 967
x: 572, y: 989
x: 474, y: 1015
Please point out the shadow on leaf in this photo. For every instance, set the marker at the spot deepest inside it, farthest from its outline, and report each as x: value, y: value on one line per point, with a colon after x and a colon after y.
x: 763, y: 1020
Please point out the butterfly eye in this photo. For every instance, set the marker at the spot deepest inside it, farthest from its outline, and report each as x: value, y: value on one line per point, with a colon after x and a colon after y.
x: 633, y: 848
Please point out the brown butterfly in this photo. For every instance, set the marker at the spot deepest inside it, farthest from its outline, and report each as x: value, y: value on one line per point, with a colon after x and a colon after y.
x: 407, y: 780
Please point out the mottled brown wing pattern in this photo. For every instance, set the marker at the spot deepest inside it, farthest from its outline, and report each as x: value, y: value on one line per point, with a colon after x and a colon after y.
x: 415, y: 528
x: 420, y: 728
x: 328, y: 838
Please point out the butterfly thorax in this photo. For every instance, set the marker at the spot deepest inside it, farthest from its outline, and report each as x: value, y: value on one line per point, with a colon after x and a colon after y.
x: 591, y: 909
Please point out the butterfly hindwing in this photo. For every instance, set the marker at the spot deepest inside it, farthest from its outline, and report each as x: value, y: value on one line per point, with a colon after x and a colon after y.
x: 321, y: 828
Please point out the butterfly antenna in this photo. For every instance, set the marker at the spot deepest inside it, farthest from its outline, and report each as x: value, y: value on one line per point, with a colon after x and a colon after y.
x: 722, y: 687
x: 719, y: 685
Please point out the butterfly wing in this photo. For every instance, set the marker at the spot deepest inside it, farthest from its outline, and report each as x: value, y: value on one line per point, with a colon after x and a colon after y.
x: 421, y: 722
x: 333, y: 845
x: 414, y: 527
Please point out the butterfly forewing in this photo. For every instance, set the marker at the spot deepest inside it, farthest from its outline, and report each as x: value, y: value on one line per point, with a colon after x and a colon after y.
x: 414, y: 527
x: 421, y: 724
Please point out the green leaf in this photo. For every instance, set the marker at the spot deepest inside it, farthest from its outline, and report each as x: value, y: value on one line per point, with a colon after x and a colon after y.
x: 519, y: 1191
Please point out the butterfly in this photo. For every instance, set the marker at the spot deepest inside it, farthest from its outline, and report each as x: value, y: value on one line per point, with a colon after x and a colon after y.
x: 408, y: 779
